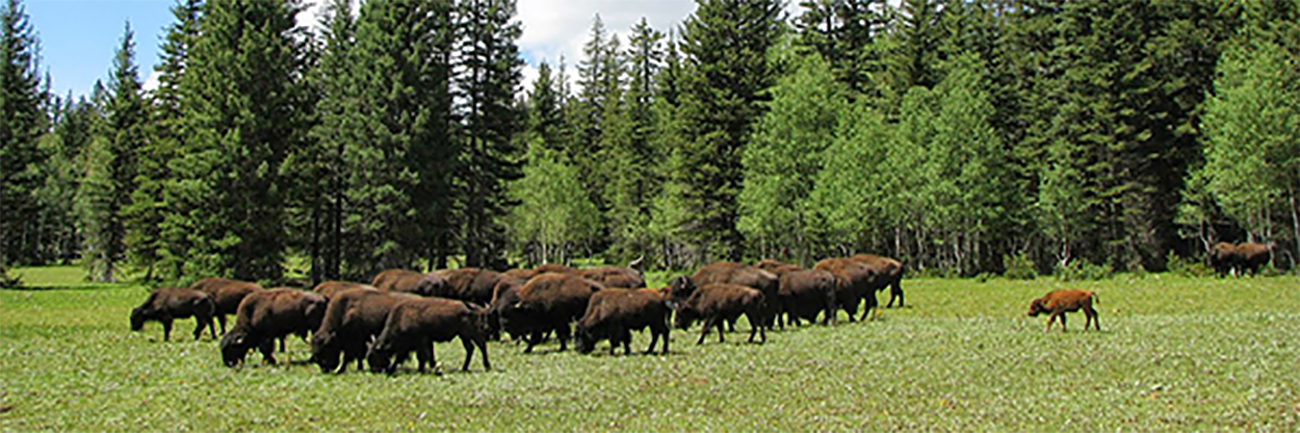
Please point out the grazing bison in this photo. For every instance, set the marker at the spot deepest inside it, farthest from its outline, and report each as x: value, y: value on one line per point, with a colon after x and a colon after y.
x: 227, y: 294
x: 329, y: 289
x: 470, y: 284
x: 776, y: 267
x: 715, y: 304
x: 1223, y: 257
x: 852, y: 285
x: 1251, y: 256
x: 887, y: 272
x: 805, y: 293
x: 613, y: 315
x: 548, y: 302
x: 266, y: 315
x: 401, y: 280
x: 415, y: 324
x: 745, y: 275
x: 351, y: 319
x: 1058, y: 302
x: 168, y: 303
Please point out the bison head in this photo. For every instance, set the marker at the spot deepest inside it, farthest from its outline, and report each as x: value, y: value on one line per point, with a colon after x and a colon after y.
x: 138, y: 316
x: 586, y: 340
x: 234, y: 346
x: 379, y: 357
x: 1036, y: 307
x: 680, y: 288
x: 324, y: 352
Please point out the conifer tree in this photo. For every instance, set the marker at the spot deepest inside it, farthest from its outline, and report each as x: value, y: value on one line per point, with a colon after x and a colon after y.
x: 633, y: 182
x: 160, y: 240
x: 21, y: 125
x: 488, y: 75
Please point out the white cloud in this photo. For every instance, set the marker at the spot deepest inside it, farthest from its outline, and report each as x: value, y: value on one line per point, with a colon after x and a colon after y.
x: 151, y: 83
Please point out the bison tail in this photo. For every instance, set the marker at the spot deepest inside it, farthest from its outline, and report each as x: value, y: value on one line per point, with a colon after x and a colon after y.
x: 1095, y: 298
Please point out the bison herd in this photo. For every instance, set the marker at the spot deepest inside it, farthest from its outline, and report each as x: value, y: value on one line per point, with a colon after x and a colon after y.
x: 380, y: 324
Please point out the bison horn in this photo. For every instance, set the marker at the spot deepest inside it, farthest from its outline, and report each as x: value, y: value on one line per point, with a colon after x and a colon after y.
x: 636, y: 264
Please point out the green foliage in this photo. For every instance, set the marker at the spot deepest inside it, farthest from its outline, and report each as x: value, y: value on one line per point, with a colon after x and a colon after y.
x: 636, y: 161
x: 1018, y: 267
x: 786, y: 154
x: 1188, y: 267
x: 1083, y: 270
x: 554, y: 216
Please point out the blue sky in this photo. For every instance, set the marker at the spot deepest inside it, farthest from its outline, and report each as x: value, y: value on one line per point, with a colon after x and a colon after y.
x: 79, y: 37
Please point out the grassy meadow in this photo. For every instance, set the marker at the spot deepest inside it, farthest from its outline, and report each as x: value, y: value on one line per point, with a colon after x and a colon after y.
x: 1174, y: 354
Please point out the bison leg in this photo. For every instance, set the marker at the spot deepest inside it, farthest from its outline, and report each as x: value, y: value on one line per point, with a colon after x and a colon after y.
x: 167, y: 328
x: 627, y: 341
x: 1092, y: 317
x: 480, y: 341
x: 198, y: 327
x: 268, y: 351
x: 756, y: 330
x: 221, y: 318
x: 895, y: 291
x: 708, y: 323
x: 562, y: 334
x: 424, y: 356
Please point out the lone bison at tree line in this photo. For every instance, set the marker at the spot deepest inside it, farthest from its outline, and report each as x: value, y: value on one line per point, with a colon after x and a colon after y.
x: 269, y: 314
x: 1058, y: 302
x: 170, y: 303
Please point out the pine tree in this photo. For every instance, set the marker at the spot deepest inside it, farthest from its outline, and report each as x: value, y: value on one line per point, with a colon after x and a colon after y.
x: 111, y: 172
x: 488, y: 74
x: 911, y: 52
x: 845, y: 33
x: 20, y: 100
x: 634, y: 158
x: 160, y: 242
x: 725, y: 47
x: 239, y: 90
x: 73, y: 128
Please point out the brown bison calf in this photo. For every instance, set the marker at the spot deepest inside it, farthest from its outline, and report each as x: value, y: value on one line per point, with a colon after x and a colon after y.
x: 715, y: 304
x: 226, y: 293
x: 1058, y: 302
x: 415, y: 324
x: 351, y: 319
x: 613, y: 315
x: 401, y: 280
x: 168, y: 303
x: 269, y: 314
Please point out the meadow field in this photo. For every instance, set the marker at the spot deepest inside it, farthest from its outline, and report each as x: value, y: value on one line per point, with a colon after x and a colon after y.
x: 1174, y: 354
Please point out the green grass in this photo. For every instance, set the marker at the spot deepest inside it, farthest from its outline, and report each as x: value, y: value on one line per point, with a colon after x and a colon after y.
x: 1175, y: 354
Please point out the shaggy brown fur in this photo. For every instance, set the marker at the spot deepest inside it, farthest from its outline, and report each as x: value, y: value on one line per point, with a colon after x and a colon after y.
x: 1058, y: 302
x: 169, y: 303
x: 612, y: 315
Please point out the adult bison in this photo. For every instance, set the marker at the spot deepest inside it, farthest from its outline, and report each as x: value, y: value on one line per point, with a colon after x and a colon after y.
x: 886, y: 272
x: 266, y: 315
x: 548, y: 302
x: 169, y: 303
x: 853, y: 284
x: 226, y: 293
x: 414, y: 325
x: 715, y: 304
x: 470, y: 284
x: 805, y: 293
x: 613, y: 315
x: 401, y: 280
x: 724, y: 272
x: 329, y: 289
x: 352, y: 318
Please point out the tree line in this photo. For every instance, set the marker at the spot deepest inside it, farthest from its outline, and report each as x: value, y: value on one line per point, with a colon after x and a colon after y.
x: 951, y: 134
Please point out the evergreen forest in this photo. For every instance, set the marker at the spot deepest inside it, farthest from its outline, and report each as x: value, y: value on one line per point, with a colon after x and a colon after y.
x: 962, y: 137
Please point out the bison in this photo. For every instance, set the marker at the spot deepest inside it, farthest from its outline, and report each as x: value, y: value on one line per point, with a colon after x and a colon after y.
x: 805, y: 293
x: 1058, y: 302
x: 168, y: 303
x: 266, y: 315
x: 415, y: 324
x: 715, y: 304
x: 741, y: 274
x: 329, y: 289
x: 613, y: 314
x: 351, y: 319
x: 614, y: 276
x: 227, y: 294
x: 853, y: 284
x: 548, y: 302
x: 776, y: 267
x: 470, y: 284
x: 401, y: 280
x: 886, y: 272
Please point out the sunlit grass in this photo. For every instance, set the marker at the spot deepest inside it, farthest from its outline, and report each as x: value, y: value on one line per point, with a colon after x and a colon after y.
x: 1174, y: 354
